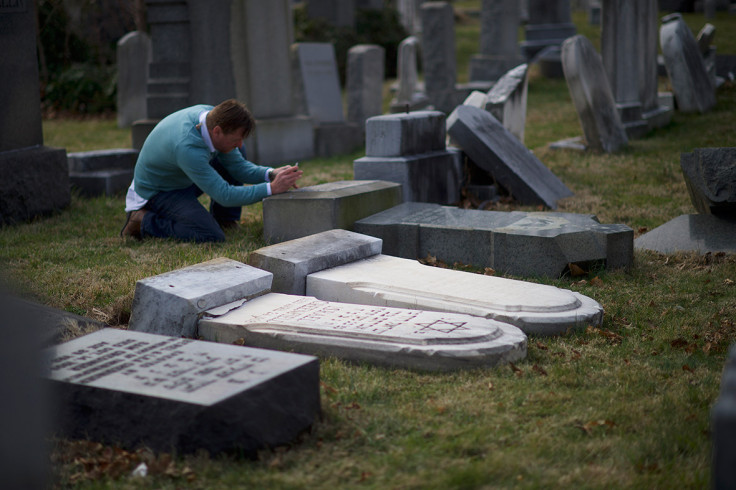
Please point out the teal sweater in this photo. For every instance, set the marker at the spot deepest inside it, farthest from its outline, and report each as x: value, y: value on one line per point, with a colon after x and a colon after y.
x: 175, y: 156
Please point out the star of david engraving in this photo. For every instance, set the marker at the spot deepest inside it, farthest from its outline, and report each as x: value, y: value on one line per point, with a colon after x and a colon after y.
x: 437, y: 326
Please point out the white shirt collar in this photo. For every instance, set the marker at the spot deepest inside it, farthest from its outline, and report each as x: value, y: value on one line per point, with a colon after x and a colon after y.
x: 203, y: 130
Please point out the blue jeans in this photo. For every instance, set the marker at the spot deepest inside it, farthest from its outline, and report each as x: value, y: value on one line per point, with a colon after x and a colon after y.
x: 178, y: 214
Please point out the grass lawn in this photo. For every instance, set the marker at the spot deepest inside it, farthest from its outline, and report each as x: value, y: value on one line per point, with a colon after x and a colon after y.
x: 624, y: 405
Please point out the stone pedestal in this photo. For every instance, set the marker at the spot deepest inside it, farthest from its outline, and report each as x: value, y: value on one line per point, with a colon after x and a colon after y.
x: 550, y: 23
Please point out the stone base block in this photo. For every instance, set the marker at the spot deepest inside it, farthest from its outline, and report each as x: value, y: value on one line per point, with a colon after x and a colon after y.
x: 290, y: 262
x: 309, y: 210
x: 140, y: 130
x: 171, y: 303
x: 659, y: 117
x: 396, y: 135
x: 337, y: 139
x: 284, y: 140
x: 701, y: 233
x: 180, y: 395
x: 430, y: 177
x: 491, y: 68
x: 528, y: 244
x: 33, y: 182
x: 101, y: 182
x: 117, y: 158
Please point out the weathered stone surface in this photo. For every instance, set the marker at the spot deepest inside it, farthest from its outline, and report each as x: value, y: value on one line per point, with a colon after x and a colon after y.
x: 700, y: 233
x: 343, y: 274
x: 309, y: 210
x: 332, y: 139
x: 364, y: 82
x: 550, y: 23
x: 392, y: 281
x: 132, y: 55
x: 181, y: 395
x: 723, y: 428
x: 693, y: 87
x: 591, y: 94
x: 394, y: 337
x: 171, y: 303
x: 439, y: 62
x: 493, y: 148
x: 319, y: 85
x: 290, y: 262
x: 531, y: 244
x: 408, y: 95
x: 430, y: 177
x: 102, y: 172
x: 499, y: 47
x: 507, y: 100
x: 396, y: 135
x: 33, y: 182
x: 710, y: 175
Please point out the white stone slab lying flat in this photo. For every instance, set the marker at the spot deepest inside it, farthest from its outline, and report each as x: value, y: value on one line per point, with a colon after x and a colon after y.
x: 170, y: 303
x: 391, y: 281
x: 173, y: 394
x: 392, y: 337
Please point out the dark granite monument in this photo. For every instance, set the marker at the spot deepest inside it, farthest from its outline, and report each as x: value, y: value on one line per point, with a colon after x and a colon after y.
x: 34, y: 179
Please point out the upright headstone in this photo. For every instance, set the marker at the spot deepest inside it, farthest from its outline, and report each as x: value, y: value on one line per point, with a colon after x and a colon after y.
x: 318, y: 84
x: 408, y: 95
x: 490, y: 146
x: 364, y: 82
x: 710, y: 176
x: 723, y: 428
x: 499, y: 45
x: 708, y: 50
x: 246, y: 56
x: 34, y: 179
x: 591, y: 94
x: 438, y: 55
x: 655, y: 110
x: 410, y: 149
x: 181, y: 395
x: 694, y: 91
x: 339, y: 13
x: 133, y: 56
x: 507, y: 100
x: 409, y: 15
x: 317, y: 92
x: 621, y: 52
x: 550, y: 23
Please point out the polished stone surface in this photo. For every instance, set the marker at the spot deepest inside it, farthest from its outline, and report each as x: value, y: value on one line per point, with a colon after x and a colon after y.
x: 700, y: 233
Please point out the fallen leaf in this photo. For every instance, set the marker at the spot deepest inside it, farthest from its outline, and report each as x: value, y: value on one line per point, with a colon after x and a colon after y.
x: 576, y: 270
x: 728, y: 282
x: 540, y: 370
x: 541, y: 346
x: 240, y: 341
x: 489, y: 272
x: 596, y: 281
x: 328, y: 389
x: 687, y: 368
x: 490, y: 386
x: 515, y: 369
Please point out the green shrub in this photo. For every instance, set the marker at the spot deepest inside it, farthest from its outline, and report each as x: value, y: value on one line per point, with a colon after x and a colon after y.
x: 83, y: 88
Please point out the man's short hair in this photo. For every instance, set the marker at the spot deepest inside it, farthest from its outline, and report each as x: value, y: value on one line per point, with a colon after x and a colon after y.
x: 231, y: 115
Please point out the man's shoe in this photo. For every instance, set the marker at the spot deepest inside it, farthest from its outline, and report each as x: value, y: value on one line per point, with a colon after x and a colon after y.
x: 229, y: 225
x: 133, y: 222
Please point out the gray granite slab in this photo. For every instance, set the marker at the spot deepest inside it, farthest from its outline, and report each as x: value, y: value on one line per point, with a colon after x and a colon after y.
x: 364, y: 82
x: 397, y: 135
x: 171, y: 303
x: 507, y: 100
x: 181, y: 395
x: 592, y: 96
x: 319, y: 85
x: 700, y: 233
x: 309, y: 210
x: 531, y: 244
x: 710, y: 176
x: 133, y: 54
x: 290, y: 262
x: 393, y: 337
x: 493, y: 148
x: 693, y: 87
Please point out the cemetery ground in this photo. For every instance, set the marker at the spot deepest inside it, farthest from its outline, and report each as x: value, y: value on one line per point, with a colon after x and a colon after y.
x: 623, y: 405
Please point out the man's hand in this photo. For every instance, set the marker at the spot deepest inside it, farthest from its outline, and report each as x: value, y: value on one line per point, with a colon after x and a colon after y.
x: 285, y: 178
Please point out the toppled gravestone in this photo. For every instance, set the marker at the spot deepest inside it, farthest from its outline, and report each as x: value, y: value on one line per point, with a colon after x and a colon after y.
x: 591, y: 94
x: 494, y: 149
x: 710, y: 176
x: 180, y: 395
x: 517, y: 242
x: 352, y: 270
x: 694, y: 90
x: 307, y: 210
x: 407, y: 338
